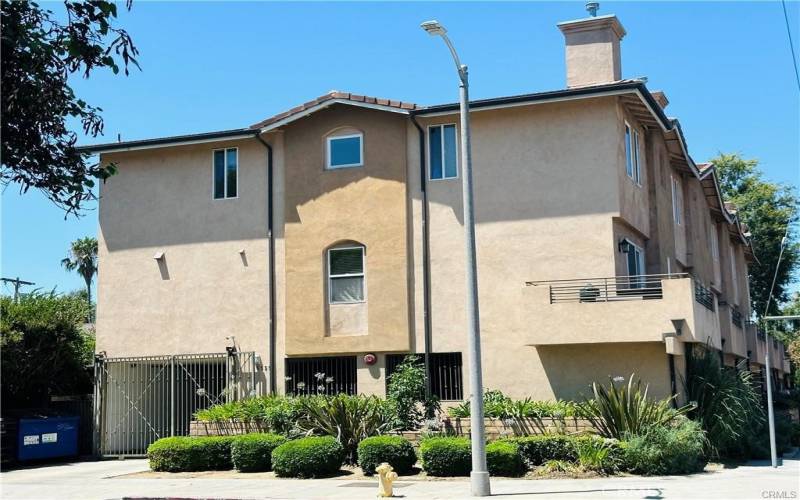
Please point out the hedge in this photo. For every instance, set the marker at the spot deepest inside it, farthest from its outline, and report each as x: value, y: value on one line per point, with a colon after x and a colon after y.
x: 446, y: 456
x: 397, y: 451
x: 666, y: 450
x: 308, y: 457
x: 253, y: 452
x: 190, y: 454
x: 503, y: 459
x: 536, y: 450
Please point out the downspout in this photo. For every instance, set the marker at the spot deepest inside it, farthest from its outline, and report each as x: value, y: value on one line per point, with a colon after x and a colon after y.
x: 271, y: 238
x: 426, y: 266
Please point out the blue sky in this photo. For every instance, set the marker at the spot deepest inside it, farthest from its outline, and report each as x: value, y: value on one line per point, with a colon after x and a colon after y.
x: 725, y: 67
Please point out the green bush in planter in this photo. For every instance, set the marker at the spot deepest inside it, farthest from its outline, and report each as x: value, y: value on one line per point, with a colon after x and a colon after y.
x: 189, y: 454
x: 503, y: 459
x: 253, y: 452
x: 308, y: 457
x: 397, y: 451
x: 446, y: 456
x: 671, y: 449
x: 536, y: 450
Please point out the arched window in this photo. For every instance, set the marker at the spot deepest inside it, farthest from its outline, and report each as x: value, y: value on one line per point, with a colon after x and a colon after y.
x: 346, y: 268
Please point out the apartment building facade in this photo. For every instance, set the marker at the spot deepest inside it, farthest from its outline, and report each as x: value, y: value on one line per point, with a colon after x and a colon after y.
x: 329, y: 239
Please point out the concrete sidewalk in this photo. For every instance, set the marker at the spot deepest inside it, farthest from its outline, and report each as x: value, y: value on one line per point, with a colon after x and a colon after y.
x: 117, y: 479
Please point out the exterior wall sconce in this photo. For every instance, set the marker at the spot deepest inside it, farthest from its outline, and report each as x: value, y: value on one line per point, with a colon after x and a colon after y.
x: 624, y: 245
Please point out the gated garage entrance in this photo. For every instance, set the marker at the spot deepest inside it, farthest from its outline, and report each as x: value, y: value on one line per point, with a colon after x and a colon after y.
x: 142, y: 399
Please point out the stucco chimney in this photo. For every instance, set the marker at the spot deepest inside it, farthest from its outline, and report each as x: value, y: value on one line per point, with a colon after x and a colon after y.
x: 593, y: 50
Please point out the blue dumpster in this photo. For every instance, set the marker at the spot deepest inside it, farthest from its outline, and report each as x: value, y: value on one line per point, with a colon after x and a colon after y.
x: 47, y: 437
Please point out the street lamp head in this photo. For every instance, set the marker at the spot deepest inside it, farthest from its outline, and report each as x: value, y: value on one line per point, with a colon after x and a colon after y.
x: 433, y: 28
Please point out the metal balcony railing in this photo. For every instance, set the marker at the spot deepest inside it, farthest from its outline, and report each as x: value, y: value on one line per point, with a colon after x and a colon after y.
x: 736, y: 316
x: 611, y: 289
x: 703, y: 296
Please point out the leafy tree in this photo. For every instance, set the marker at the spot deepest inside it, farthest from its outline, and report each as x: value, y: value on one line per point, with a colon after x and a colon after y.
x: 43, y: 348
x: 406, y: 392
x: 83, y: 259
x: 767, y: 208
x: 39, y: 54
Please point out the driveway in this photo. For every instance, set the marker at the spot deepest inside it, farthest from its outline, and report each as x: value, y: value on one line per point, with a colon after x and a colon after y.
x: 121, y: 479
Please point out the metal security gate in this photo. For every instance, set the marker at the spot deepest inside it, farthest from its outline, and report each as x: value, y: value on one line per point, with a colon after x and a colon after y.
x: 142, y: 399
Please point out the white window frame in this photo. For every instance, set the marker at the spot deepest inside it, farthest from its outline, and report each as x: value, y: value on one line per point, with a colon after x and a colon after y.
x: 640, y: 262
x: 362, y: 274
x: 677, y: 201
x: 331, y: 138
x: 225, y: 177
x: 734, y: 274
x: 632, y: 144
x: 428, y: 144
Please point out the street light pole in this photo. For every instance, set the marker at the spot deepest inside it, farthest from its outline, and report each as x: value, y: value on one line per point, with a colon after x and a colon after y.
x: 770, y: 412
x: 479, y: 477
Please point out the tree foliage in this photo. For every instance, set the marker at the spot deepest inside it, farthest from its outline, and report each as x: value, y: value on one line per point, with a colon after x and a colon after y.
x: 82, y: 258
x: 45, y: 349
x: 767, y: 208
x: 39, y: 54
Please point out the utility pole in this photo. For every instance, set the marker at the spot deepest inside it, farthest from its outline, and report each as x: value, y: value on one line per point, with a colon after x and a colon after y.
x: 768, y: 368
x: 17, y: 283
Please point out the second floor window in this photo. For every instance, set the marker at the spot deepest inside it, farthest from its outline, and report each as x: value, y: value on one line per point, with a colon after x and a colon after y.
x: 345, y: 151
x: 346, y: 275
x: 442, y: 152
x: 714, y: 242
x: 226, y: 175
x: 632, y: 164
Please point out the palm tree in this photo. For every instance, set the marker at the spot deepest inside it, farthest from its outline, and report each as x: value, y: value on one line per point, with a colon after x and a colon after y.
x: 83, y: 259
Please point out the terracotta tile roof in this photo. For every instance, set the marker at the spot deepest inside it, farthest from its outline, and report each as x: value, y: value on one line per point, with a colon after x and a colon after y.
x: 335, y: 95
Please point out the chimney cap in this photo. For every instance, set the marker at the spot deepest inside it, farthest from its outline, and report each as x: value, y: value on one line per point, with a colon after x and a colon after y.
x: 593, y: 23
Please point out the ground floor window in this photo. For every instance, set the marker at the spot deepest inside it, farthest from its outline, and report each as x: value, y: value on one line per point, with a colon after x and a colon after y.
x: 323, y: 375
x: 445, y: 370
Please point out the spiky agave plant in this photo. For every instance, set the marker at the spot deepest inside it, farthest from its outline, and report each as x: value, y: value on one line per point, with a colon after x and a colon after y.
x: 624, y: 409
x: 347, y: 418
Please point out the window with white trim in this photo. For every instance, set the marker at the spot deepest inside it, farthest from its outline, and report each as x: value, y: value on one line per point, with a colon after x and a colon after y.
x: 226, y: 173
x: 632, y: 154
x: 734, y: 275
x: 677, y: 201
x: 343, y: 151
x: 346, y: 275
x: 442, y: 155
x: 635, y: 261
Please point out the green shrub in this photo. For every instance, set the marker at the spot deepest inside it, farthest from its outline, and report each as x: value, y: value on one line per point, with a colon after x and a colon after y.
x: 446, y: 456
x: 662, y: 450
x: 503, y: 459
x: 625, y: 410
x: 188, y: 454
x: 597, y: 454
x: 276, y: 413
x: 728, y: 405
x: 536, y: 450
x: 308, y: 457
x: 253, y: 452
x: 406, y: 393
x: 498, y: 405
x: 350, y: 418
x: 397, y: 451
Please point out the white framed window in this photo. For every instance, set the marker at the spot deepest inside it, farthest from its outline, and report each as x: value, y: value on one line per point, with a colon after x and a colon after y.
x: 714, y: 238
x: 632, y: 154
x: 344, y: 151
x: 734, y: 275
x: 346, y: 275
x: 634, y: 262
x: 677, y: 201
x: 225, y: 172
x: 442, y: 152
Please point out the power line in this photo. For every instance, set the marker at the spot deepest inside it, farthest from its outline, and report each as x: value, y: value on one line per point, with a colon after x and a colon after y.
x: 785, y: 238
x: 17, y: 283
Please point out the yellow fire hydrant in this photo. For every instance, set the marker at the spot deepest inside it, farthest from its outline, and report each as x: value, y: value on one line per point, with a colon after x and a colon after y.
x: 386, y: 477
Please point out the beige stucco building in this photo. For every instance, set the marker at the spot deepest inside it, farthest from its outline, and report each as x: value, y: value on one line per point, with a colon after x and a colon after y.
x: 329, y: 238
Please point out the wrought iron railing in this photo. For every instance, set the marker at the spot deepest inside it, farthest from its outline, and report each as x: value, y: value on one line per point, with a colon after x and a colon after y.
x: 612, y: 289
x: 736, y: 316
x: 703, y: 296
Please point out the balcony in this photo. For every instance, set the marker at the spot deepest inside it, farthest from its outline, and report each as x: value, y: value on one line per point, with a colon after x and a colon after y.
x: 645, y: 308
x: 736, y: 316
x: 756, y: 343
